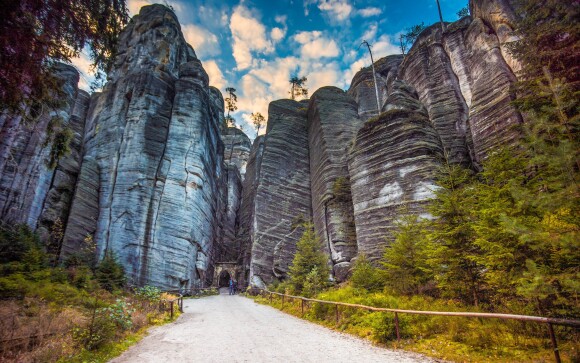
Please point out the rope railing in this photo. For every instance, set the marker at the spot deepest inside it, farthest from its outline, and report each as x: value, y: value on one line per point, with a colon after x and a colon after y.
x: 550, y: 322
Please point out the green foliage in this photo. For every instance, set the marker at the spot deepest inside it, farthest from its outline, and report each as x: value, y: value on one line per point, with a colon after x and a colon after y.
x: 19, y: 244
x: 298, y: 86
x: 366, y: 276
x: 549, y: 34
x: 341, y: 189
x: 34, y: 35
x: 309, y: 269
x: 407, y: 39
x: 147, y: 293
x: 110, y: 274
x: 406, y: 261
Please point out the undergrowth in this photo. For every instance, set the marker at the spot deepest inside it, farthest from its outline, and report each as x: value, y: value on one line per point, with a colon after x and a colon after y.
x: 77, y: 311
x: 456, y: 339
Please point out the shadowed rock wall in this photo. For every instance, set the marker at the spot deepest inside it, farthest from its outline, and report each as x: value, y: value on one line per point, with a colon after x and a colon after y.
x: 392, y: 165
x: 25, y: 179
x: 332, y: 123
x: 154, y: 153
x: 283, y: 192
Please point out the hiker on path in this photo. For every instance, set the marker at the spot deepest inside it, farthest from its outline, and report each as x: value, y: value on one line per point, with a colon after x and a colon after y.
x: 231, y: 286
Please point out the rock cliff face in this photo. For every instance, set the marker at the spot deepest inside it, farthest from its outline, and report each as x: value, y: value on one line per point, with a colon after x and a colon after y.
x: 246, y: 214
x: 392, y: 165
x: 282, y: 194
x: 464, y: 82
x: 237, y: 148
x: 332, y: 123
x: 154, y: 153
x: 160, y: 183
x: 362, y: 86
x: 26, y: 180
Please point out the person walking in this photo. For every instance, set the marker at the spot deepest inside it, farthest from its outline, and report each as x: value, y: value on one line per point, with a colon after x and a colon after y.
x: 231, y: 286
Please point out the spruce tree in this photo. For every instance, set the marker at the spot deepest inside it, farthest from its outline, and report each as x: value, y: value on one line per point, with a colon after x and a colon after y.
x: 309, y: 269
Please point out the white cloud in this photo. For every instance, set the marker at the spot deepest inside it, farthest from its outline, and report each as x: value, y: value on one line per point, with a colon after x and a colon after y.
x: 370, y: 33
x: 281, y: 19
x: 204, y: 42
x: 249, y: 35
x: 314, y: 45
x: 216, y: 77
x: 83, y: 64
x: 338, y: 10
x: 277, y: 34
x: 368, y: 12
x: 383, y: 47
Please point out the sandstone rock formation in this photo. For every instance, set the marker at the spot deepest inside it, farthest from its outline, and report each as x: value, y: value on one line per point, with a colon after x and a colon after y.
x: 283, y: 193
x: 392, y: 166
x: 246, y: 213
x: 362, y: 85
x: 332, y: 123
x: 154, y: 153
x: 237, y: 148
x: 25, y: 179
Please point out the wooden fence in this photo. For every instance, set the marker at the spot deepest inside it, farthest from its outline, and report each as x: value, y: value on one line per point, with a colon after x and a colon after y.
x: 550, y: 322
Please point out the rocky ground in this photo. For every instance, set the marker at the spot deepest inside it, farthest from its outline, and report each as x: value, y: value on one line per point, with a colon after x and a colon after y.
x: 226, y: 328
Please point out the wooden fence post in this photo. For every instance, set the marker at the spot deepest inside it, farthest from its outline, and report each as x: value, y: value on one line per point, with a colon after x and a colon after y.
x: 554, y: 343
x: 171, y: 309
x: 337, y: 317
x: 397, y: 327
x: 302, y: 306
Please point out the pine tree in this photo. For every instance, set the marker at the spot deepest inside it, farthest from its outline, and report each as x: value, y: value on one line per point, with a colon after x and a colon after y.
x: 406, y: 261
x: 309, y: 269
x: 455, y: 255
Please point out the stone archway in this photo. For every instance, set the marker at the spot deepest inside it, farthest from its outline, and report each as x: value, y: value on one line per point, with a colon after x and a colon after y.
x: 221, y: 268
x: 224, y: 279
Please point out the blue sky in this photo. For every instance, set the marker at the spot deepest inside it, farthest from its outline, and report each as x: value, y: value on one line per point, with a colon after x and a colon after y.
x: 254, y: 45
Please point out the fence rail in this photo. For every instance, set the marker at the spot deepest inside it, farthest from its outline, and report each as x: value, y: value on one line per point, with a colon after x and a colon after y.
x: 179, y: 299
x: 550, y: 322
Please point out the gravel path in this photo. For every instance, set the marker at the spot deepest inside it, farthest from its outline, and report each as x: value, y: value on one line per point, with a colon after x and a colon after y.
x: 225, y: 328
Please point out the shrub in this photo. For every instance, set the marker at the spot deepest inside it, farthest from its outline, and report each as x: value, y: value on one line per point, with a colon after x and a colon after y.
x: 366, y: 276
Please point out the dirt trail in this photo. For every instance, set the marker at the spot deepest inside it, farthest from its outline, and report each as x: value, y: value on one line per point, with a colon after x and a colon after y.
x: 226, y: 328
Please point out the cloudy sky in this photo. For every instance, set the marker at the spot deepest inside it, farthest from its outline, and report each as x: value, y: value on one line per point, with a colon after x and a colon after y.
x: 256, y: 45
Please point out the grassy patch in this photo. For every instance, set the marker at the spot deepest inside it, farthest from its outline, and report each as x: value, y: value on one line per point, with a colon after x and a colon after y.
x: 451, y: 338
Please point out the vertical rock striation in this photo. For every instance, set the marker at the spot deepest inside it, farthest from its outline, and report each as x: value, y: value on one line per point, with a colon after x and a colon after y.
x: 64, y: 180
x: 392, y: 165
x: 154, y: 153
x: 237, y: 148
x: 246, y: 213
x: 25, y: 180
x: 362, y: 88
x: 428, y: 69
x: 283, y: 192
x: 332, y: 123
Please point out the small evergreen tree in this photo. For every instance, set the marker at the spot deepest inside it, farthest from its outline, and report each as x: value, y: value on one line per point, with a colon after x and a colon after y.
x: 110, y: 274
x: 309, y: 269
x: 258, y: 120
x: 406, y: 261
x: 366, y: 276
x: 455, y: 255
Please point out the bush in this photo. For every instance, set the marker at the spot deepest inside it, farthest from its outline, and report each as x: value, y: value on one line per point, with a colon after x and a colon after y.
x: 149, y: 294
x: 366, y: 276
